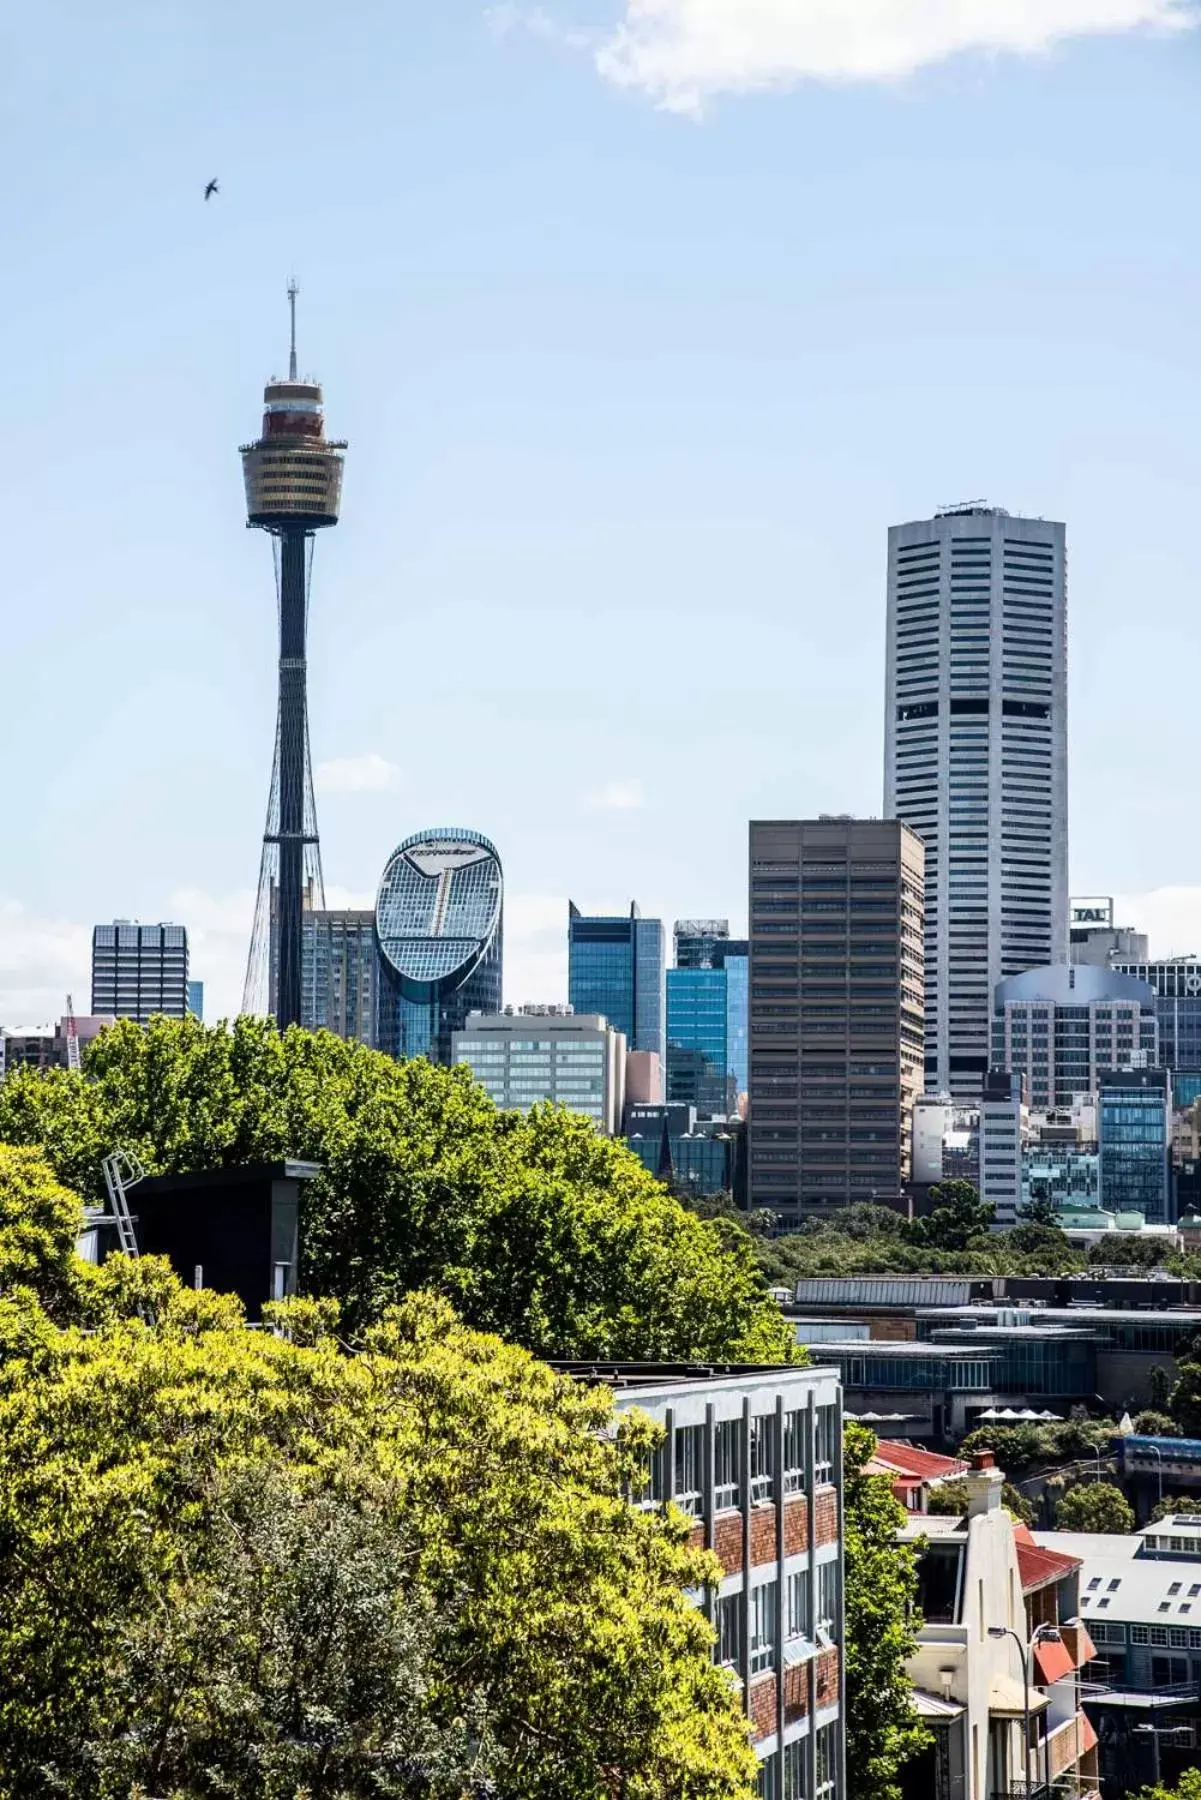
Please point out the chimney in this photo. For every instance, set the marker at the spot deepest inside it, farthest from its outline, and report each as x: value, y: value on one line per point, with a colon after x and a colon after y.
x: 984, y: 1484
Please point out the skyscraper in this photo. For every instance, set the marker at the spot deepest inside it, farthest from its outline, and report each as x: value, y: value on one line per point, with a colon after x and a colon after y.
x: 836, y: 1011
x: 339, y: 974
x: 976, y: 760
x: 706, y: 1018
x: 615, y: 966
x: 293, y: 489
x: 439, y: 921
x: 140, y: 970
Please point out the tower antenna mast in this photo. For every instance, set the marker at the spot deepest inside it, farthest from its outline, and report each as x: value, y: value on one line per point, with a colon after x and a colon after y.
x: 293, y: 290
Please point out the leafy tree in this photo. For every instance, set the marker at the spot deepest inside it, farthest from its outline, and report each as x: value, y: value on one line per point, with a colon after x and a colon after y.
x: 535, y: 1227
x: 236, y: 1560
x: 300, y: 1657
x: 1020, y: 1448
x: 1172, y: 1504
x: 1114, y: 1251
x: 1187, y: 1788
x: 1039, y: 1210
x: 883, y: 1731
x: 1160, y: 1384
x: 1094, y: 1506
x: 1150, y: 1423
x: 1186, y: 1396
x: 39, y: 1223
x: 957, y: 1216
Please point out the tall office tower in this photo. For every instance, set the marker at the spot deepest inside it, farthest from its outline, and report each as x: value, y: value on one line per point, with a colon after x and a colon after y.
x: 1001, y: 1112
x: 1059, y: 1027
x: 293, y: 490
x: 975, y: 760
x: 439, y: 923
x: 140, y: 970
x: 706, y: 1018
x: 338, y: 974
x: 837, y: 995
x: 1177, y: 984
x: 615, y: 966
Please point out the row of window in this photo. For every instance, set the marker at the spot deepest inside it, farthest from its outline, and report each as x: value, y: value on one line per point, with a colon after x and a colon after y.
x: 785, y: 1774
x: 689, y: 1452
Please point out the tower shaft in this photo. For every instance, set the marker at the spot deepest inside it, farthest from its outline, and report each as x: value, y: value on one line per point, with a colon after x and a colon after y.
x: 293, y: 767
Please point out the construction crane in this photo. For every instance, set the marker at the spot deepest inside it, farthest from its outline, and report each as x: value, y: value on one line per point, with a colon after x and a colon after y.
x: 74, y: 1061
x: 122, y: 1170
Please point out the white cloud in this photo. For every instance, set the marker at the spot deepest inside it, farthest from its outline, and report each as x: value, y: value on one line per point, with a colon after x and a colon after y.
x: 682, y: 52
x: 367, y: 774
x: 618, y: 796
x: 41, y: 961
x: 1170, y: 916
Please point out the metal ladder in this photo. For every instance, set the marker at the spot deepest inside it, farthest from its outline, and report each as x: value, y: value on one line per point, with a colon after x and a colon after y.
x: 122, y: 1170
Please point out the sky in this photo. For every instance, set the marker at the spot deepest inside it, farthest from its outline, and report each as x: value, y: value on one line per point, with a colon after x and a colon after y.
x: 644, y: 319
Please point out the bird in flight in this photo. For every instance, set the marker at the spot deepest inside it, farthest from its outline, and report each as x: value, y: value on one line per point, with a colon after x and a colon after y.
x: 211, y: 189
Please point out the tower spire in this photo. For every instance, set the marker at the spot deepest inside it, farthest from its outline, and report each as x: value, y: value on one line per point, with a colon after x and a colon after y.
x: 293, y: 290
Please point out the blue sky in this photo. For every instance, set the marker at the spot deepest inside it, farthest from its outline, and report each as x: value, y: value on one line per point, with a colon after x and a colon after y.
x: 643, y: 321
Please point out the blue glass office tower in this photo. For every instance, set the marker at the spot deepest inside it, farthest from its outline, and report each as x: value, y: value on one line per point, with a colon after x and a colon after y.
x: 615, y: 966
x: 438, y: 922
x: 1134, y: 1129
x: 707, y: 1018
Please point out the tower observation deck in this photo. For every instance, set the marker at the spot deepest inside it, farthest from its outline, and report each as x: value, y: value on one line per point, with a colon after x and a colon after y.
x: 293, y: 477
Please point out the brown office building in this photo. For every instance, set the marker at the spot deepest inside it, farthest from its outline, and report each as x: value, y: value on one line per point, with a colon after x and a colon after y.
x: 836, y: 1010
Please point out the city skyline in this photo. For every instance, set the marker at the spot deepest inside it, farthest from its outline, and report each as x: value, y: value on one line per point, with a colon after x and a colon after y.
x: 644, y: 407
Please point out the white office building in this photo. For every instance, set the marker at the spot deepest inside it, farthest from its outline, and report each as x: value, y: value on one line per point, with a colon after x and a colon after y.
x: 1002, y: 1130
x: 548, y: 1053
x: 976, y: 760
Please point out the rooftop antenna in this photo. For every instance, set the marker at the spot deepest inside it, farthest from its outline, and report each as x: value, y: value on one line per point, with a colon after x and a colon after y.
x: 293, y: 290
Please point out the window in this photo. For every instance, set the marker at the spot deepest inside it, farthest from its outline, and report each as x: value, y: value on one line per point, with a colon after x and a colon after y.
x: 728, y: 1620
x: 795, y: 1769
x: 689, y: 1471
x: 1114, y: 1585
x: 763, y: 1457
x: 727, y: 1488
x: 827, y: 1597
x: 1094, y: 1583
x: 767, y: 1784
x: 827, y: 1761
x: 1104, y: 1600
x: 1174, y: 1588
x: 1140, y: 1634
x: 765, y: 1613
x: 797, y: 1624
x: 823, y: 1461
x: 794, y: 1451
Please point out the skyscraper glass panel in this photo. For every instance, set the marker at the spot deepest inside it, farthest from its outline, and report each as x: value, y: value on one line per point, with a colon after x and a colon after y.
x: 697, y: 1053
x: 1135, y: 1134
x: 438, y: 921
x: 616, y: 967
x: 737, y: 992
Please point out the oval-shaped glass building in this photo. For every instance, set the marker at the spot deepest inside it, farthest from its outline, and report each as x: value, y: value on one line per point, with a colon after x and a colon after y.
x: 438, y: 924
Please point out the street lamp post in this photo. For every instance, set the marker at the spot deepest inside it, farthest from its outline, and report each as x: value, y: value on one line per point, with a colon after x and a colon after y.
x: 1041, y: 1633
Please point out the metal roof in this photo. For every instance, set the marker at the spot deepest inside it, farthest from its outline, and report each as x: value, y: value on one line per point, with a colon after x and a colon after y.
x: 1131, y: 1589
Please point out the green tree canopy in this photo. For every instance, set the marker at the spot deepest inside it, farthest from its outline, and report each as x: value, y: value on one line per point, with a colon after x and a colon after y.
x: 236, y: 1562
x: 1094, y: 1506
x: 40, y: 1221
x: 883, y: 1731
x: 1187, y: 1788
x: 957, y: 1216
x: 536, y: 1227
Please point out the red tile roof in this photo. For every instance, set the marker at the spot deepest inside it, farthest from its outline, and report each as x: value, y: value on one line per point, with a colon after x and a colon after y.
x: 923, y: 1465
x: 1038, y: 1568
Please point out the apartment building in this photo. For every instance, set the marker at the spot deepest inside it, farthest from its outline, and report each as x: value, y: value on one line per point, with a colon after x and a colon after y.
x: 754, y: 1456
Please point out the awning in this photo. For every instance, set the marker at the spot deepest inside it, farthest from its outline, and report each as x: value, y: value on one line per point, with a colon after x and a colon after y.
x: 933, y: 1707
x: 1007, y: 1698
x: 1053, y: 1660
